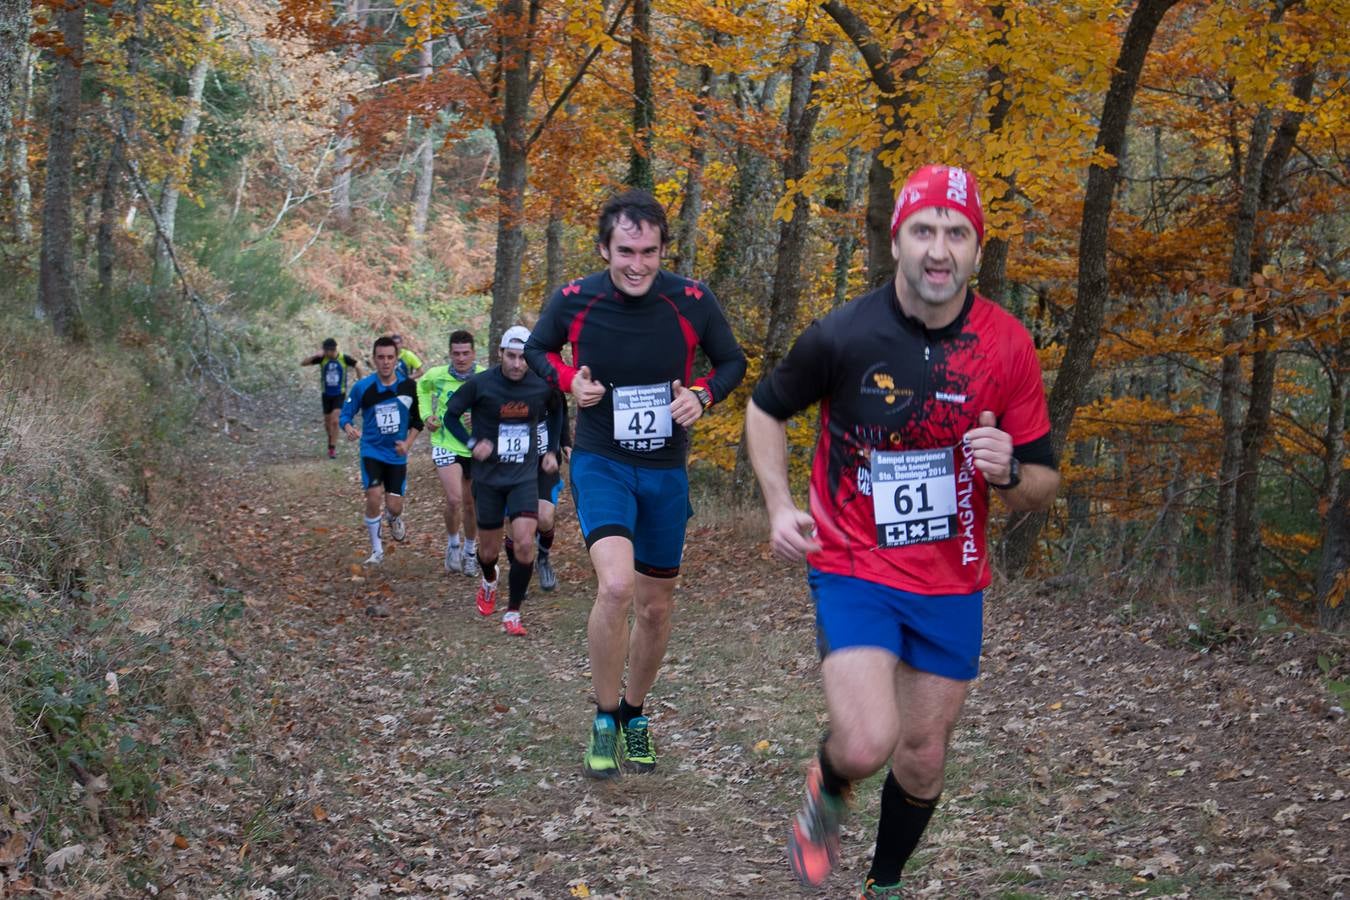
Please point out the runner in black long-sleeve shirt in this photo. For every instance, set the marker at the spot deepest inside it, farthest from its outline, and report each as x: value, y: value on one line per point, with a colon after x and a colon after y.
x: 508, y: 403
x: 633, y: 330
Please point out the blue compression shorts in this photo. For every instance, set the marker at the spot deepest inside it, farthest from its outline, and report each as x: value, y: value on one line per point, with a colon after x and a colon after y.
x: 941, y: 634
x: 648, y: 506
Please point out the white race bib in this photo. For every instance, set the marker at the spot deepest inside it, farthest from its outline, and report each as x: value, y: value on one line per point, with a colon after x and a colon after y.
x: 513, y: 443
x: 642, y: 416
x: 541, y: 436
x: 387, y: 418
x: 914, y: 496
x: 442, y: 457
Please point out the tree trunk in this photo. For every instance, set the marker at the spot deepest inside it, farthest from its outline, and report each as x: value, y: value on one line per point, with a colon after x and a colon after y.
x: 18, y: 162
x: 512, y: 169
x: 343, y: 161
x: 686, y: 239
x: 1075, y: 372
x: 1333, y: 582
x: 785, y: 297
x: 1255, y: 433
x: 57, y: 299
x: 426, y: 165
x: 1234, y: 334
x: 182, y: 171
x: 16, y: 19
x: 889, y: 73
x: 992, y: 280
x: 740, y: 275
x: 847, y: 240
x: 125, y: 117
x: 1256, y: 429
x: 640, y: 172
x: 555, y: 267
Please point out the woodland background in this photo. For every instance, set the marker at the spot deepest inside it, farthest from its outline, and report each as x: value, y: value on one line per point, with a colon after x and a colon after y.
x: 192, y: 192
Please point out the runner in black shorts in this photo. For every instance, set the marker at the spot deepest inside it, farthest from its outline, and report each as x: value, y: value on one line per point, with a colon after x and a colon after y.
x: 550, y: 488
x: 508, y: 403
x: 390, y: 423
x: 634, y: 330
x: 929, y: 395
x: 451, y: 457
x: 333, y: 368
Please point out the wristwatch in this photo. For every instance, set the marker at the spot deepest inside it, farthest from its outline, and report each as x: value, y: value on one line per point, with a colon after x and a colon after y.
x: 1014, y: 477
x: 702, y: 394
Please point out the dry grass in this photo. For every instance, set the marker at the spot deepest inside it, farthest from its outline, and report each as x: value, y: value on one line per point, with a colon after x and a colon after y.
x: 90, y: 589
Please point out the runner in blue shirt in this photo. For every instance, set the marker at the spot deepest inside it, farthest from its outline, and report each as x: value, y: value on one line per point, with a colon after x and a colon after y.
x: 333, y: 368
x: 390, y: 423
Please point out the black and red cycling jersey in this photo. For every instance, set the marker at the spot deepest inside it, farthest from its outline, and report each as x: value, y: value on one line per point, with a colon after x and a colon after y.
x: 633, y: 346
x: 886, y: 382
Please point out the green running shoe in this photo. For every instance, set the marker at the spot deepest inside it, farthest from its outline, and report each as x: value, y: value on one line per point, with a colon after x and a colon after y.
x: 873, y: 891
x: 604, y: 754
x: 638, y: 750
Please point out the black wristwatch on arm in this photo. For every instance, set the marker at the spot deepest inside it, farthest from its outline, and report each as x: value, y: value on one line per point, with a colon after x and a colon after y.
x: 702, y: 394
x: 1014, y: 477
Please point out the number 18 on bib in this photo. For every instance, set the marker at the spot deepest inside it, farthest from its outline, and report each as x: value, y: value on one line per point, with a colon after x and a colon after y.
x: 914, y: 496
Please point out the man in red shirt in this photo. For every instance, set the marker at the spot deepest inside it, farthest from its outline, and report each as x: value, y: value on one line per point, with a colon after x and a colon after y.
x: 929, y: 395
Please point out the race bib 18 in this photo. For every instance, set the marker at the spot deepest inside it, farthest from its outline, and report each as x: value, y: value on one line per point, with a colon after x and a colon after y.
x: 513, y: 443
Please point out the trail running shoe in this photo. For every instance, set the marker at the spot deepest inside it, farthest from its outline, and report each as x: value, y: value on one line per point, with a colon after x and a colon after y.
x: 604, y: 753
x: 813, y: 844
x: 374, y: 559
x: 548, y: 579
x: 471, y: 561
x: 638, y: 751
x: 398, y: 529
x: 487, y: 598
x: 332, y: 453
x: 873, y: 891
x: 454, y: 557
x: 511, y: 625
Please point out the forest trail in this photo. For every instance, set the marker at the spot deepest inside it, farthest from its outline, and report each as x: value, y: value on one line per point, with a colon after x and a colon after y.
x: 428, y: 754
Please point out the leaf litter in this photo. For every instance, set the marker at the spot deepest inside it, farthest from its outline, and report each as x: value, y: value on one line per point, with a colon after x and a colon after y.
x: 427, y: 754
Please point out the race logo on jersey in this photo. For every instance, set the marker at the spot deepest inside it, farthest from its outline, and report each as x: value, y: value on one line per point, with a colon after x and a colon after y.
x: 406, y: 400
x: 877, y: 382
x: 514, y: 409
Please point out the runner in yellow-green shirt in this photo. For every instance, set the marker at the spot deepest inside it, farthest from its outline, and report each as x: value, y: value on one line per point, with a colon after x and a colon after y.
x: 452, y: 458
x: 409, y: 363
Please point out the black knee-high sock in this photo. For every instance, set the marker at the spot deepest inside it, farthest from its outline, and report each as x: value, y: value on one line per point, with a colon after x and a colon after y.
x: 519, y: 580
x: 489, y: 568
x: 546, y: 540
x: 903, y: 820
x: 830, y: 779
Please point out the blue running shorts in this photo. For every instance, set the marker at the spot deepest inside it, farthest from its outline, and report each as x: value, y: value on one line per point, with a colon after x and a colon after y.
x: 941, y: 634
x: 648, y: 506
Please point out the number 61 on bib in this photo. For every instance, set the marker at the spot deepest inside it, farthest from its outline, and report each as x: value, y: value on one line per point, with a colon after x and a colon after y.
x: 914, y: 496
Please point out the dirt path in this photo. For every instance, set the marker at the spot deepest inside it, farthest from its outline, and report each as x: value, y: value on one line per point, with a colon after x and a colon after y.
x: 427, y: 754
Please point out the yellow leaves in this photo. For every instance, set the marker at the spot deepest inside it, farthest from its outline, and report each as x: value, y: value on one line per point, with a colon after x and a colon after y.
x: 579, y: 889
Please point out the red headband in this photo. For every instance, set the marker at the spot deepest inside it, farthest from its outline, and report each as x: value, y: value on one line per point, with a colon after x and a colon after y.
x: 945, y: 186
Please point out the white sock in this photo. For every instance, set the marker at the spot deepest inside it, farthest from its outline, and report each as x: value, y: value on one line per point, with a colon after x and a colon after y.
x: 489, y: 585
x: 471, y: 545
x: 453, y: 540
x: 373, y: 528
